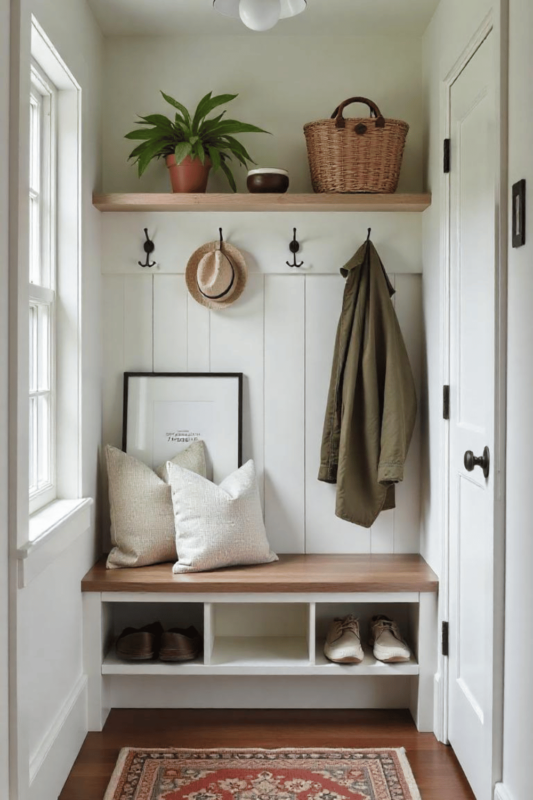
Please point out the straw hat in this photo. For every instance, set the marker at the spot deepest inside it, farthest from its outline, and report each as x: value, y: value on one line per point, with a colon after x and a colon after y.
x: 216, y: 274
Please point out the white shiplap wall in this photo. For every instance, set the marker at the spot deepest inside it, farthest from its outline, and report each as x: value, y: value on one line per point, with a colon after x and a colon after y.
x: 280, y: 334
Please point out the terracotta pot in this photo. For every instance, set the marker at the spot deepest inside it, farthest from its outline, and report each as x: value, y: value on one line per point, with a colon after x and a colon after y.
x: 189, y: 177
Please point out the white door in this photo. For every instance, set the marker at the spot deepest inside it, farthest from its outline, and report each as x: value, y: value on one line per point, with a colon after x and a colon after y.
x: 473, y: 315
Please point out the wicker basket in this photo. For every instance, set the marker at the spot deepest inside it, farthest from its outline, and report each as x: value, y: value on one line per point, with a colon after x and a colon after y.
x: 356, y: 155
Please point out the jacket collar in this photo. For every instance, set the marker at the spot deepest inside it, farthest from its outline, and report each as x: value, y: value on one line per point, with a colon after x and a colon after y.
x: 367, y: 251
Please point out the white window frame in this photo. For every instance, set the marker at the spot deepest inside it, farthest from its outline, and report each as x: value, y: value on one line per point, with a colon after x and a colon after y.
x: 42, y: 290
x: 44, y: 524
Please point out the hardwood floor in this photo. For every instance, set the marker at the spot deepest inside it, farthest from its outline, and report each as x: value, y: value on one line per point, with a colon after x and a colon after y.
x: 435, y: 767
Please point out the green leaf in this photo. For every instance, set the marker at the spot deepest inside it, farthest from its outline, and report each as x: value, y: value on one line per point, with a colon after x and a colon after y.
x: 198, y: 116
x: 233, y: 126
x: 159, y: 120
x: 209, y: 103
x: 200, y: 152
x: 144, y: 134
x: 209, y: 125
x: 229, y: 175
x: 179, y: 106
x: 183, y: 149
x: 237, y: 147
x: 150, y: 151
x: 214, y: 155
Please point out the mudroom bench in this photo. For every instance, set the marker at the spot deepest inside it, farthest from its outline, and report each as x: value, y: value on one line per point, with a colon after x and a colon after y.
x: 265, y: 620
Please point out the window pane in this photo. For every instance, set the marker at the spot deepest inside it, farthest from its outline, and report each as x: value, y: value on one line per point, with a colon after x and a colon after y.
x: 43, y: 441
x: 35, y: 142
x: 43, y: 348
x: 35, y: 240
x: 33, y: 348
x: 33, y: 444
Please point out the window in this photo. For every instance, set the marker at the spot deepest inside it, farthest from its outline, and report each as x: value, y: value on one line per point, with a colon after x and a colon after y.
x: 42, y: 290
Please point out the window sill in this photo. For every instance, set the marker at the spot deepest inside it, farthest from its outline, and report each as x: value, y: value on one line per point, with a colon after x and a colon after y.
x: 52, y: 530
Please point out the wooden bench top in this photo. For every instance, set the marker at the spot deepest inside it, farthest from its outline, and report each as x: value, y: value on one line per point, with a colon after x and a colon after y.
x: 292, y: 573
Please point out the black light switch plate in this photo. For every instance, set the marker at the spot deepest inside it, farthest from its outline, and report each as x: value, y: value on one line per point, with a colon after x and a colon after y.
x: 519, y: 214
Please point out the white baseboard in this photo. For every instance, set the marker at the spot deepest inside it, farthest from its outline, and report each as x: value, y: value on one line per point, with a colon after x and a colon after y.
x: 501, y: 793
x: 53, y: 760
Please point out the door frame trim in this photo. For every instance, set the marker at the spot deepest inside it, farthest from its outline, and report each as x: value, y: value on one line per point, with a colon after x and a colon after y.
x: 495, y: 22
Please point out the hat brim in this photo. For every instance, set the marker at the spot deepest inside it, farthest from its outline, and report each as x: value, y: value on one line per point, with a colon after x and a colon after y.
x: 239, y: 265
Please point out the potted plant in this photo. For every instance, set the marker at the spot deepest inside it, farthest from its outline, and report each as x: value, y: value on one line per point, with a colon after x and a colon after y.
x: 192, y: 144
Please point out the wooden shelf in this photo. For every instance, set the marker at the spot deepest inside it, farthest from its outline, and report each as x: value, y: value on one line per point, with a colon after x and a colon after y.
x: 292, y: 573
x: 265, y: 202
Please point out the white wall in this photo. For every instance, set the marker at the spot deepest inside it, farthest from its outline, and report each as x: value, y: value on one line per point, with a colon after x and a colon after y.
x: 4, y: 260
x: 51, y: 690
x: 518, y: 702
x: 283, y: 82
x: 280, y: 334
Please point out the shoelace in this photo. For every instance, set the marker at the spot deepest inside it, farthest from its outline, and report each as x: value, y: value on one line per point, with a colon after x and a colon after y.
x: 381, y: 625
x: 349, y: 623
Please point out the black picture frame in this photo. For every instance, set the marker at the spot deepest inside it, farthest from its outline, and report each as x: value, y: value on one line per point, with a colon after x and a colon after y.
x: 237, y: 376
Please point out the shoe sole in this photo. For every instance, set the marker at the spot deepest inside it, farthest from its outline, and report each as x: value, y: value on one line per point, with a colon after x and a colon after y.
x: 176, y: 658
x: 396, y: 660
x: 347, y: 660
x: 135, y: 657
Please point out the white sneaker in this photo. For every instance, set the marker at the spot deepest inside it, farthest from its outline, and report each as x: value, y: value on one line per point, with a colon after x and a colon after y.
x: 386, y: 639
x: 343, y: 643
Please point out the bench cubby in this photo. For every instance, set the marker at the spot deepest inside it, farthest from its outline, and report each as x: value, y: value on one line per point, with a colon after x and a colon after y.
x: 269, y: 620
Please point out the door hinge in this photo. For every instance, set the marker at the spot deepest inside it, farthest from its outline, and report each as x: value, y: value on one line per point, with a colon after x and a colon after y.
x: 445, y: 639
x: 447, y: 156
x: 446, y: 402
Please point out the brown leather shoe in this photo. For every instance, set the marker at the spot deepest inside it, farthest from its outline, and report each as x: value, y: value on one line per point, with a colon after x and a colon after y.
x: 140, y: 644
x: 180, y: 644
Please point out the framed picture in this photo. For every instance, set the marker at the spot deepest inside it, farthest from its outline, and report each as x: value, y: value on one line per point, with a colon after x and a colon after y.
x: 165, y: 412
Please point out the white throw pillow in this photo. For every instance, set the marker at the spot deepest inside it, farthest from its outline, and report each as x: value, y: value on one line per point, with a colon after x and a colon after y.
x: 142, y: 519
x: 218, y: 526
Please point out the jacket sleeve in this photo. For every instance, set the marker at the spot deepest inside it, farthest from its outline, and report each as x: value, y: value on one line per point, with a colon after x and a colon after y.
x: 399, y: 399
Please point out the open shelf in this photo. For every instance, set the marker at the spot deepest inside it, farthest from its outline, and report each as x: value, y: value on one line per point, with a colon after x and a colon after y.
x: 259, y: 656
x: 262, y: 202
x: 368, y: 666
x: 260, y: 651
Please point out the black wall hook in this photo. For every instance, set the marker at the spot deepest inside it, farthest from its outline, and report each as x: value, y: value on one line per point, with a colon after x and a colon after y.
x: 149, y: 248
x: 294, y: 248
x: 369, y: 234
x: 221, y: 237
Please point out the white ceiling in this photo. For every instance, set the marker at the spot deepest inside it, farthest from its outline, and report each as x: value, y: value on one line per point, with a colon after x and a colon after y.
x: 323, y: 17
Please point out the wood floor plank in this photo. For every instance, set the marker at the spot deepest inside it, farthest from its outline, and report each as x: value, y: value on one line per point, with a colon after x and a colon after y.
x: 435, y: 767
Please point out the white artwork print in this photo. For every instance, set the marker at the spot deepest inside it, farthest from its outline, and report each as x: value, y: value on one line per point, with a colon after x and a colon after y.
x: 196, y: 421
x: 167, y: 413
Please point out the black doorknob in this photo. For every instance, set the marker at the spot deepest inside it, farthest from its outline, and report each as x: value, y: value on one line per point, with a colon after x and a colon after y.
x: 472, y: 461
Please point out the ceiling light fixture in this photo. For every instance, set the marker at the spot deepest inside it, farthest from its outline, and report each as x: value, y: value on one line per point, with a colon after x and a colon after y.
x: 260, y: 15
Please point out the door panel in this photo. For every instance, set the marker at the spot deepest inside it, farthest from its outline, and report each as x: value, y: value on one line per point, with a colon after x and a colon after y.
x: 472, y: 421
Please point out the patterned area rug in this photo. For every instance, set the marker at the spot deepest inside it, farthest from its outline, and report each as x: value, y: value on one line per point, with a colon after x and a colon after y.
x: 173, y: 774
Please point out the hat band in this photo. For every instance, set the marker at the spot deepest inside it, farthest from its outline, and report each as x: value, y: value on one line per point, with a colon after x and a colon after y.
x: 227, y: 291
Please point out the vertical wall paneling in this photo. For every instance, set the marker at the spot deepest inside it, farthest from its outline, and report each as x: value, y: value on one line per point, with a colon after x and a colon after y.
x: 198, y: 337
x: 138, y: 324
x: 325, y: 533
x: 407, y: 515
x: 170, y: 323
x: 281, y: 336
x: 237, y: 345
x: 113, y: 361
x: 284, y: 412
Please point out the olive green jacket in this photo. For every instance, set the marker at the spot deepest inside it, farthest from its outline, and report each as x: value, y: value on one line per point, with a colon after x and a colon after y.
x: 371, y: 408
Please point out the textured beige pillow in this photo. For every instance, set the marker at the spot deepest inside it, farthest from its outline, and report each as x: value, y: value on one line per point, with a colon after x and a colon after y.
x: 142, y: 520
x: 218, y: 526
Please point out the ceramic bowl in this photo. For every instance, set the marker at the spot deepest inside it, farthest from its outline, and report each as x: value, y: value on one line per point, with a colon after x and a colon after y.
x: 268, y: 181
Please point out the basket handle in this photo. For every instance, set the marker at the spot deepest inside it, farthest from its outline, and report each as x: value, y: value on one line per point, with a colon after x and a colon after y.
x: 340, y: 122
